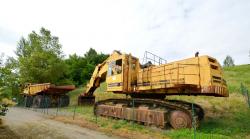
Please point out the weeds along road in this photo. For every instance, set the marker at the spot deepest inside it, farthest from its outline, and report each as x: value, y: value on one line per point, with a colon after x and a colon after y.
x: 29, y: 124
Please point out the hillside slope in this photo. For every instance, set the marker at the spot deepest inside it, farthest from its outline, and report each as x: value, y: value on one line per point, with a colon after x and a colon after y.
x: 237, y: 75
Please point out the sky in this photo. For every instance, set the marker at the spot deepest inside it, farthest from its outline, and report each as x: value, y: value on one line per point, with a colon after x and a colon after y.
x: 172, y: 29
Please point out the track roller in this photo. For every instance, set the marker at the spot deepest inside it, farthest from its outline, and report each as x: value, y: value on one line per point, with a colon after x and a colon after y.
x: 180, y: 119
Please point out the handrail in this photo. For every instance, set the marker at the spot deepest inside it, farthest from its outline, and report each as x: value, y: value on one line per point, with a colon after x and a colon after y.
x: 155, y: 59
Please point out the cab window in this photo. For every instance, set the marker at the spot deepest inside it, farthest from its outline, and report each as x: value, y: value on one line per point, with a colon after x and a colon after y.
x: 115, y: 67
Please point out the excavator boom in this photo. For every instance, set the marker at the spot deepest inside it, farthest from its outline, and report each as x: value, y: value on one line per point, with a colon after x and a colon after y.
x: 99, y: 75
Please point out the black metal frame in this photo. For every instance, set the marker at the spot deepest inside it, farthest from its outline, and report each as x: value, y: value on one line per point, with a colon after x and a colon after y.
x: 148, y: 56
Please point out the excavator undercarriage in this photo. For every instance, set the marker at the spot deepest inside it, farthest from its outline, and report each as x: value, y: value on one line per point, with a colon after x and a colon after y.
x: 179, y: 114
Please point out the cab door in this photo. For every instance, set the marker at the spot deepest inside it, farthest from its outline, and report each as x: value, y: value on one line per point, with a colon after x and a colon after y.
x: 129, y: 74
x: 115, y: 76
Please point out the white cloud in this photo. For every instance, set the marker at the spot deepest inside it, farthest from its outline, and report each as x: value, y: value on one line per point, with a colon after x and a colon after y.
x: 171, y: 29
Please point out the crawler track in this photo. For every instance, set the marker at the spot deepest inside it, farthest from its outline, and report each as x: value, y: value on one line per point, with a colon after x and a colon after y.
x: 151, y: 111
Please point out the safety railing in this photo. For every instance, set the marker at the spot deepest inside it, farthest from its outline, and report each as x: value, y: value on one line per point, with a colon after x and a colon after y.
x: 154, y: 59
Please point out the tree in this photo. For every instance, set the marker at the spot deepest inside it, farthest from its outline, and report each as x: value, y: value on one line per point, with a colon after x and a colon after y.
x: 228, y: 62
x: 9, y: 83
x: 40, y: 58
x: 81, y: 68
x: 76, y: 64
x: 93, y: 59
x: 1, y: 70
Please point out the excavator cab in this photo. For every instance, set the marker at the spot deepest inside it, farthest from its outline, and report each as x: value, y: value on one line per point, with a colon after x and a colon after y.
x: 119, y: 71
x: 122, y: 74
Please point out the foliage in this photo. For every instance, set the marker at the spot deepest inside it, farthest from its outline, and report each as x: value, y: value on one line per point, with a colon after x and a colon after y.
x: 93, y: 59
x: 8, y: 79
x: 40, y: 58
x: 3, y: 110
x: 76, y: 64
x: 228, y: 62
x: 8, y: 83
x: 81, y: 68
x: 1, y: 70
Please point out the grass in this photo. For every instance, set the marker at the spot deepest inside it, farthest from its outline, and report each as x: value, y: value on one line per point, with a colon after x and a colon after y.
x: 74, y: 95
x: 100, y: 94
x: 227, y: 118
x: 86, y: 118
x: 237, y: 75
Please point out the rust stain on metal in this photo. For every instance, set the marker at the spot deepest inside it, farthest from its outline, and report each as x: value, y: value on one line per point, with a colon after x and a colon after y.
x: 140, y: 114
x: 216, y: 90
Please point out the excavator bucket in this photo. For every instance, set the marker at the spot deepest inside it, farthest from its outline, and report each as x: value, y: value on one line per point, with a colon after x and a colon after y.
x: 86, y: 100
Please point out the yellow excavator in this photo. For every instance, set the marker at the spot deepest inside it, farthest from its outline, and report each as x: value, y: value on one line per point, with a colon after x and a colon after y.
x: 148, y: 84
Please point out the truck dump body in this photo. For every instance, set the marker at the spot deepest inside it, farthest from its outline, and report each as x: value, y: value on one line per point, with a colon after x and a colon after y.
x: 47, y: 88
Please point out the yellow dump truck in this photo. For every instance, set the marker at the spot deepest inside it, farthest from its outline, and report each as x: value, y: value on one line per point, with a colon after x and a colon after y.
x: 46, y: 95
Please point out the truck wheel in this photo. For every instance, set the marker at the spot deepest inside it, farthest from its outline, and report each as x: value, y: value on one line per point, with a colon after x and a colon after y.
x: 47, y: 102
x: 41, y: 101
x: 28, y: 101
x: 64, y: 101
x: 37, y: 102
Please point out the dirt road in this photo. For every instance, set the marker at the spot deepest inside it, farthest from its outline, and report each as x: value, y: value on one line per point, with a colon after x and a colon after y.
x: 29, y: 124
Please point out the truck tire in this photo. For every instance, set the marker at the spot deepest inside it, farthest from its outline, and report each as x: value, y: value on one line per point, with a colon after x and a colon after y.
x: 28, y: 101
x: 64, y: 101
x: 47, y: 102
x: 41, y: 101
